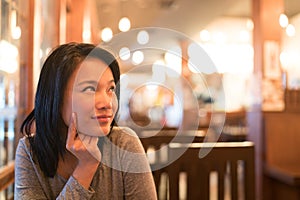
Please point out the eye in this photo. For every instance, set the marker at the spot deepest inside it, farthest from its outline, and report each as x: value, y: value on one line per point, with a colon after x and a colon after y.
x: 89, y: 89
x: 112, y: 89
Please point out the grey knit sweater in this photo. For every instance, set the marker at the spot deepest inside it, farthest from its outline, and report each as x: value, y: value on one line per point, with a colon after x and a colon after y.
x: 123, y: 173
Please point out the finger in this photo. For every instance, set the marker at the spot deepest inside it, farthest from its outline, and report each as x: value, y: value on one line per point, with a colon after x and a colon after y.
x: 72, y: 131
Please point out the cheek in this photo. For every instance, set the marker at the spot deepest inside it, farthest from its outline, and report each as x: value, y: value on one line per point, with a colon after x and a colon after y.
x: 115, y: 103
x: 82, y: 103
x: 67, y: 111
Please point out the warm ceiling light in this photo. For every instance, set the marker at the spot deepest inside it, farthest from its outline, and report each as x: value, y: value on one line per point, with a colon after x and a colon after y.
x: 283, y: 20
x: 290, y: 30
x: 137, y: 57
x: 124, y: 53
x: 106, y: 34
x: 143, y: 37
x: 124, y: 24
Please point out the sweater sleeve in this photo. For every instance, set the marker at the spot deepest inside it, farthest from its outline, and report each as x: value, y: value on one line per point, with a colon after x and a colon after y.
x: 27, y: 185
x: 30, y: 182
x: 73, y: 190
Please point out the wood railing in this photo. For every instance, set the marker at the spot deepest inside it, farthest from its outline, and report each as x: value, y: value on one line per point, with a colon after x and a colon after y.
x: 7, y: 175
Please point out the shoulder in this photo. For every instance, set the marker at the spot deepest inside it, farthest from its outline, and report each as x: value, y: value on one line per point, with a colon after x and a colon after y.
x: 23, y: 158
x: 124, y: 130
x: 126, y: 138
x: 23, y: 152
x: 23, y: 145
x: 126, y: 145
x: 123, y: 133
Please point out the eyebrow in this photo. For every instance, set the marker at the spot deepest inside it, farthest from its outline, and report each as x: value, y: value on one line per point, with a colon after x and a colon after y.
x: 94, y: 82
x: 111, y: 81
x: 88, y: 82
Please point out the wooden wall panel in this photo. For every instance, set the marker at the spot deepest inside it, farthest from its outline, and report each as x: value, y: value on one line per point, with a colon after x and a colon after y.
x: 282, y: 138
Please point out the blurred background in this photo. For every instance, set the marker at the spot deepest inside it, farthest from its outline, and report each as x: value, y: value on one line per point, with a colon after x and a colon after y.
x: 245, y: 86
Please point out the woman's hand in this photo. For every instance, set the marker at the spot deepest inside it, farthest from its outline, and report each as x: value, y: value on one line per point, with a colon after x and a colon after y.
x: 87, y: 163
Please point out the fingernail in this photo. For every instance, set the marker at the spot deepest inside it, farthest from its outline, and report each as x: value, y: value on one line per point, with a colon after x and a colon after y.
x: 74, y: 117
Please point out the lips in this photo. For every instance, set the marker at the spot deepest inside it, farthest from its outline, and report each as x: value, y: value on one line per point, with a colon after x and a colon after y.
x: 103, y: 118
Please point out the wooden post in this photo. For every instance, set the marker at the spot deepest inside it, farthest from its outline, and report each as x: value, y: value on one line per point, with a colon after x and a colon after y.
x: 75, y: 13
x: 265, y: 15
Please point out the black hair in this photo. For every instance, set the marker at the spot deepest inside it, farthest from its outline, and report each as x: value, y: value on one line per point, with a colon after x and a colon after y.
x: 48, y: 142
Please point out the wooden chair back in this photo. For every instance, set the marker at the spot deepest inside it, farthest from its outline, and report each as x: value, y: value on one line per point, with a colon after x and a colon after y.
x: 226, y: 172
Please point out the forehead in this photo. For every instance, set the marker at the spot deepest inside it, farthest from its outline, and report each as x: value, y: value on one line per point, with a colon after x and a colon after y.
x: 93, y: 69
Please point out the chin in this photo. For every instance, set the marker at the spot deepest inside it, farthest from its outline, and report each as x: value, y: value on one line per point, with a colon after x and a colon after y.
x: 105, y: 131
x: 96, y: 131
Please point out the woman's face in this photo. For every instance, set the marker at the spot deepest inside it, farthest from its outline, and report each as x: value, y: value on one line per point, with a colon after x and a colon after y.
x: 91, y: 95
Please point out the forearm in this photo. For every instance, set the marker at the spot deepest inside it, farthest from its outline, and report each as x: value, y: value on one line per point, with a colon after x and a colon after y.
x: 78, y: 185
x: 74, y: 190
x: 84, y: 148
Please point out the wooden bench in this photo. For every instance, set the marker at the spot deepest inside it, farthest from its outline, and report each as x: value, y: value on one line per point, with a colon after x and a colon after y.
x: 155, y: 142
x: 190, y: 177
x: 283, y: 182
x: 156, y: 138
x: 281, y: 159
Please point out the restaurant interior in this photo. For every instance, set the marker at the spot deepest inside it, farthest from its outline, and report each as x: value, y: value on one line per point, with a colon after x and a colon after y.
x: 212, y: 88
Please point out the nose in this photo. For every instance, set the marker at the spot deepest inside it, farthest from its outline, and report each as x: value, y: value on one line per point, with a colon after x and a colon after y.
x: 103, y: 100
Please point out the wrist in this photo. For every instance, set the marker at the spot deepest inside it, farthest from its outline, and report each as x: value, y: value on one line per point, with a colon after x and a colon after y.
x: 84, y: 173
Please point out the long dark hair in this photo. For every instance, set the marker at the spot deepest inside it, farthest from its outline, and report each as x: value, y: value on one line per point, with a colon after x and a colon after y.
x: 48, y: 142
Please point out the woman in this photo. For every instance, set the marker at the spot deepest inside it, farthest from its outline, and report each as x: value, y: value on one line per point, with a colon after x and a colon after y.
x: 72, y: 148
